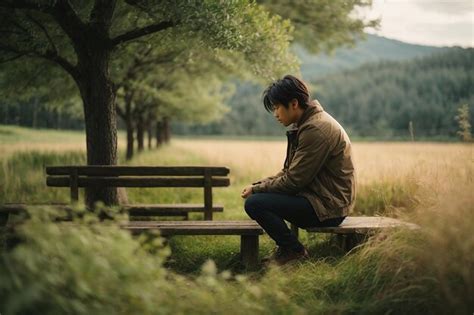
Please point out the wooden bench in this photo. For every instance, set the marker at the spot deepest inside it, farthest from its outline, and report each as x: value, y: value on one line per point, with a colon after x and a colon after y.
x: 205, y: 177
x: 248, y: 230
x: 354, y: 230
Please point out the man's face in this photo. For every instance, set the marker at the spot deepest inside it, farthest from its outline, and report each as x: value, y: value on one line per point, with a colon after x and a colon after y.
x: 286, y: 116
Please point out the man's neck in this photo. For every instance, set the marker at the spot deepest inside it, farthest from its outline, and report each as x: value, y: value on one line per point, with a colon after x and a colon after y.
x: 299, y: 115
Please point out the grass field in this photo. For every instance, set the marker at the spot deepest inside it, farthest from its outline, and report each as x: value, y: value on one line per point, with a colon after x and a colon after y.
x: 430, y: 271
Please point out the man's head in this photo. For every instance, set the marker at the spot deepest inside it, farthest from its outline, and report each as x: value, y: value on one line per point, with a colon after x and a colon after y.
x: 287, y: 99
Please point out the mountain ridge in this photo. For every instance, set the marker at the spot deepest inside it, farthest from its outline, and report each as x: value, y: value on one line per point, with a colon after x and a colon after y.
x: 373, y: 49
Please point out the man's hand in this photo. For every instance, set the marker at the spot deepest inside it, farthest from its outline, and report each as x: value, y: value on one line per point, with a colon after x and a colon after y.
x: 246, y: 192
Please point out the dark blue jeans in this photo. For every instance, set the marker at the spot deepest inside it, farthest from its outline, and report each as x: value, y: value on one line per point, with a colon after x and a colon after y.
x: 270, y: 210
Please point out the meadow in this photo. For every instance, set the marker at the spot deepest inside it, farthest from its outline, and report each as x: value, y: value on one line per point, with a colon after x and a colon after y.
x: 90, y: 270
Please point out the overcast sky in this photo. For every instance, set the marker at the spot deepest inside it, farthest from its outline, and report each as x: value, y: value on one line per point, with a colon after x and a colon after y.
x: 426, y: 22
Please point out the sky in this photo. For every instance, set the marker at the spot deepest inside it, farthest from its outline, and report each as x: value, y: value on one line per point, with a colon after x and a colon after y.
x: 426, y: 22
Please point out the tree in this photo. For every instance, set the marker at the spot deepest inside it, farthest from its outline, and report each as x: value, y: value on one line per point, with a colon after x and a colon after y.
x: 464, y: 125
x: 81, y: 37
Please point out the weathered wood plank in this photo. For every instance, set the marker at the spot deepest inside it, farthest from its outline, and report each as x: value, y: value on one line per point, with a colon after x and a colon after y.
x: 113, y: 170
x: 63, y: 181
x: 196, y: 227
x: 363, y: 225
x: 244, y: 223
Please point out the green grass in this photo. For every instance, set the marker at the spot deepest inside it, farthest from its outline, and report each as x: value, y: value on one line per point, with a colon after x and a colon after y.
x: 15, y: 135
x: 91, y: 270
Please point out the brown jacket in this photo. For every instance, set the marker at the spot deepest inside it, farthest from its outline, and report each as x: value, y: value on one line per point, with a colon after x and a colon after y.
x: 318, y: 165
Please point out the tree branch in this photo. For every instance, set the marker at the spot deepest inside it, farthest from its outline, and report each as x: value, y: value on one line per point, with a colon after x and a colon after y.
x: 69, y: 21
x: 137, y: 33
x: 45, y: 31
x: 51, y: 56
x: 63, y: 62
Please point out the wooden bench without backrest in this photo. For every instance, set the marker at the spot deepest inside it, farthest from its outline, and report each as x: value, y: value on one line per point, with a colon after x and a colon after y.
x: 204, y: 177
x: 248, y: 230
x: 354, y: 230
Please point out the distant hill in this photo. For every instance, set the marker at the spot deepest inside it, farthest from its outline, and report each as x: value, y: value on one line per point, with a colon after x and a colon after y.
x: 373, y: 49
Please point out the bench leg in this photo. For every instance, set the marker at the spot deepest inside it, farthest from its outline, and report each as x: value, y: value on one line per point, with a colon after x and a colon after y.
x: 341, y: 241
x: 249, y: 250
x: 349, y: 241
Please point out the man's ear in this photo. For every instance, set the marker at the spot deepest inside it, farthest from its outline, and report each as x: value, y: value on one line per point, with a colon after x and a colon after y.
x: 294, y: 103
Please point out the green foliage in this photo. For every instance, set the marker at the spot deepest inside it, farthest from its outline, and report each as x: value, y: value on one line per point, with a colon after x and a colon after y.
x: 53, y: 271
x: 464, y: 124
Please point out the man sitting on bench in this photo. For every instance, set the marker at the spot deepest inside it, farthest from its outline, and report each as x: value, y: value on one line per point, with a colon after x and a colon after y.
x: 316, y: 186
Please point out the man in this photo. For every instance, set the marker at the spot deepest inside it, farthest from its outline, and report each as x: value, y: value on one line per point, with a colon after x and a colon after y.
x: 316, y: 186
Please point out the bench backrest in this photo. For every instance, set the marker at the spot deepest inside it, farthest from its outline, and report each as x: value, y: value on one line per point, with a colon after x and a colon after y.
x: 139, y: 176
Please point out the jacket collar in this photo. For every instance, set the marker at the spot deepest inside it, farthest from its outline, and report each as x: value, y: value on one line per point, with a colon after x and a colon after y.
x: 314, y: 107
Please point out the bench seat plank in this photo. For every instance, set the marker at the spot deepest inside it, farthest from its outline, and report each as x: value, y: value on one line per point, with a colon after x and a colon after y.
x: 246, y: 227
x: 363, y: 225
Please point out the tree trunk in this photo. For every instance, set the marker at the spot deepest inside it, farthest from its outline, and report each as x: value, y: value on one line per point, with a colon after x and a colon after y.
x: 140, y: 132
x: 58, y: 118
x: 166, y: 130
x: 34, y: 123
x: 130, y: 139
x: 149, y: 131
x: 158, y: 133
x: 98, y: 96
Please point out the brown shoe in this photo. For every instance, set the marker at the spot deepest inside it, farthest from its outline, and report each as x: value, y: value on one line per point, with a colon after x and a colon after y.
x: 283, y: 256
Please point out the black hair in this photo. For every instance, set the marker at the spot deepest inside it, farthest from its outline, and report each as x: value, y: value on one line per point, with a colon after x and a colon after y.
x: 284, y: 90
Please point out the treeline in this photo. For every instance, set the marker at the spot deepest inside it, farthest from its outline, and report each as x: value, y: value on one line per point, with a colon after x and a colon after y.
x: 35, y: 114
x: 375, y: 100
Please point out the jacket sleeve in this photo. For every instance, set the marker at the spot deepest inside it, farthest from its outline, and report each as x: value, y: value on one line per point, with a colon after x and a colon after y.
x: 311, y: 154
x: 280, y: 173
